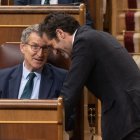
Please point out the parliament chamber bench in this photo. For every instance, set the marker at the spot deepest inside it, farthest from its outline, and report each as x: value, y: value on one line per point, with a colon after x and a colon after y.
x: 31, y: 120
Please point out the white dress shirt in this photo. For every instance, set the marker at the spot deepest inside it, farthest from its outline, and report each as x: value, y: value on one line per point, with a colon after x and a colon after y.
x: 73, y: 36
x: 25, y: 78
x: 51, y: 2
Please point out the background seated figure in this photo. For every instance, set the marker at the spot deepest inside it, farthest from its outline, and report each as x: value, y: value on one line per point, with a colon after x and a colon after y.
x: 48, y: 79
x: 89, y: 20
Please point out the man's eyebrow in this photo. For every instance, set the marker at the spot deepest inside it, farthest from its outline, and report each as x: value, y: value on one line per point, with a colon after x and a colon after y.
x: 50, y: 46
x: 34, y: 43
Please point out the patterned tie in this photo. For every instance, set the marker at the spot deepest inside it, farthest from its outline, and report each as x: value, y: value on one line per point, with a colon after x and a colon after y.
x: 28, y: 87
x: 47, y: 2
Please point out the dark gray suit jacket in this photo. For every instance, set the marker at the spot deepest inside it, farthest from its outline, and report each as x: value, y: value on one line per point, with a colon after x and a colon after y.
x: 106, y: 68
x: 52, y: 79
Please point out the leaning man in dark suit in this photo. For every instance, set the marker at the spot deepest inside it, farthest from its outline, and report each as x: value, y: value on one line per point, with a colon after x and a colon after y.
x: 101, y: 64
x: 47, y: 80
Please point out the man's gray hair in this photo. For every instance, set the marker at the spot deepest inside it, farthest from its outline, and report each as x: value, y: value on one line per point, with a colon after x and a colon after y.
x: 26, y: 32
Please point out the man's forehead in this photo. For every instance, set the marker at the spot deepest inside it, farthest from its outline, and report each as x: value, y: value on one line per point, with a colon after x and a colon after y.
x: 44, y: 35
x: 36, y: 40
x: 46, y: 39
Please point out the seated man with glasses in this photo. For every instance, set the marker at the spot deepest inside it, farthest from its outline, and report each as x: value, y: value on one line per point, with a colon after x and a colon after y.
x: 33, y: 79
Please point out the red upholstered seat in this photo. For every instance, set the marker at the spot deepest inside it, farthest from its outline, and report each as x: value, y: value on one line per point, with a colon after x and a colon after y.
x: 10, y: 55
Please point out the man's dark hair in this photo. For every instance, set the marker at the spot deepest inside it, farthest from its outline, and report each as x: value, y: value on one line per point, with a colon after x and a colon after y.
x: 58, y: 21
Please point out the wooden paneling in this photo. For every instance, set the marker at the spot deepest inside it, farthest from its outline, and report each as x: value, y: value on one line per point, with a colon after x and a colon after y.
x: 28, y: 132
x: 31, y: 119
x: 15, y: 18
x: 7, y: 2
x: 96, y: 12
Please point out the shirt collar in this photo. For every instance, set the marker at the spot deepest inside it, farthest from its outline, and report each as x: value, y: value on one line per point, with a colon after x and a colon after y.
x: 73, y: 36
x: 26, y: 72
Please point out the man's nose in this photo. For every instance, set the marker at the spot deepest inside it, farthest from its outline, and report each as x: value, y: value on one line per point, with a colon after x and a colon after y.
x: 40, y: 52
x: 54, y: 51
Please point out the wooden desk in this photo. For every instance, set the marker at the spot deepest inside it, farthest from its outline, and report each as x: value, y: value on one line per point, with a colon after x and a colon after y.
x: 31, y: 119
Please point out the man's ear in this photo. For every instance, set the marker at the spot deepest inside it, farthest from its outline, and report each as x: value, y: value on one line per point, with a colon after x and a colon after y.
x: 60, y: 34
x: 22, y: 47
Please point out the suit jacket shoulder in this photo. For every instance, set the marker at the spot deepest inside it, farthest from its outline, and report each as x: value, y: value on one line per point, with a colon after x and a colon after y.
x: 6, y: 73
x: 56, y: 71
x: 10, y: 81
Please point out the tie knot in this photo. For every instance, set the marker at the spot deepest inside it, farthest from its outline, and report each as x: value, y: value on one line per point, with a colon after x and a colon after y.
x: 31, y: 75
x: 47, y: 2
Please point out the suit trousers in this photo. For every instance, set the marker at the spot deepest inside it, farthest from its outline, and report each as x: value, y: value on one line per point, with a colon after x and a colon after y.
x: 135, y: 135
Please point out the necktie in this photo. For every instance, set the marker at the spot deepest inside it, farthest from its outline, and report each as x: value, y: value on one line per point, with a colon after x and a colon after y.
x: 47, y: 2
x: 28, y: 87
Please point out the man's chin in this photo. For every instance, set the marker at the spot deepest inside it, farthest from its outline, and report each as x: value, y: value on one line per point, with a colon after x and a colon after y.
x: 65, y: 54
x: 38, y: 67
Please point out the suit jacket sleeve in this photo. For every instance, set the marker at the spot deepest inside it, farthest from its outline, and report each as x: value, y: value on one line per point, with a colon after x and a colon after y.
x: 82, y: 61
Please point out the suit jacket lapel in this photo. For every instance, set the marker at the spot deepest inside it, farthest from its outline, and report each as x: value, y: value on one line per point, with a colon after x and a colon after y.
x: 46, y: 83
x: 14, y: 82
x: 80, y: 30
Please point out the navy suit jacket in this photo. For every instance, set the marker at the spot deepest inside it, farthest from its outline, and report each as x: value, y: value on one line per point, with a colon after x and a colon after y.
x: 51, y: 81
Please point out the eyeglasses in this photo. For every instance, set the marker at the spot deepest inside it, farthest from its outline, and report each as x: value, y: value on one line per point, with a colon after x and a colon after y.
x: 37, y: 48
